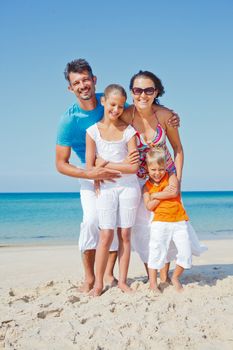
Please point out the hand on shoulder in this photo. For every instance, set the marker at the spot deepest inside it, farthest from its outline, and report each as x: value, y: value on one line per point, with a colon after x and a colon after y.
x: 167, y: 117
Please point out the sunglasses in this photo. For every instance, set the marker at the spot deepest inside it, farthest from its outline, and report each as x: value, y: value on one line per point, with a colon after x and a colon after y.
x: 148, y: 91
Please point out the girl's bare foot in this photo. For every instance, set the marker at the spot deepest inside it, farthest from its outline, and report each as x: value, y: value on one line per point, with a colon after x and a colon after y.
x: 124, y: 287
x: 96, y: 292
x: 176, y: 283
x: 110, y: 281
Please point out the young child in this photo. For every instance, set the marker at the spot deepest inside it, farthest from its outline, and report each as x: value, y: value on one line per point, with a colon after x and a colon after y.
x: 112, y: 140
x: 170, y: 221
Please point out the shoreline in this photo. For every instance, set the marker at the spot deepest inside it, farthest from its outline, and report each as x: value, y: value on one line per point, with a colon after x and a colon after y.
x: 54, y: 243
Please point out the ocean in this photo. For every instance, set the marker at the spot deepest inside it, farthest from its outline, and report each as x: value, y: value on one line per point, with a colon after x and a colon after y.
x: 54, y: 218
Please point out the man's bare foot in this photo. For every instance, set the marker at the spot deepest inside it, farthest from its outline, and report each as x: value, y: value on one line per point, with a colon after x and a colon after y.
x: 86, y: 287
x: 96, y: 292
x: 110, y: 281
x: 125, y: 288
x: 176, y: 283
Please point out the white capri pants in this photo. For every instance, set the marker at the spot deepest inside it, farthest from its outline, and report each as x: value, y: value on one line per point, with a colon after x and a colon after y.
x: 117, y: 202
x: 161, y: 235
x: 89, y: 228
x: 141, y: 229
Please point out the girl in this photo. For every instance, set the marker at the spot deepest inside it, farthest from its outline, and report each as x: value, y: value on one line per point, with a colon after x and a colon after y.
x: 111, y: 140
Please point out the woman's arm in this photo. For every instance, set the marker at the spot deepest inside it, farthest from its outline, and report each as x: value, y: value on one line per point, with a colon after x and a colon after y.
x: 150, y: 203
x: 174, y: 139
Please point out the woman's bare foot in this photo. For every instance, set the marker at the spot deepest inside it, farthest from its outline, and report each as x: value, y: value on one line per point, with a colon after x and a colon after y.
x: 176, y: 283
x: 124, y: 287
x: 86, y: 287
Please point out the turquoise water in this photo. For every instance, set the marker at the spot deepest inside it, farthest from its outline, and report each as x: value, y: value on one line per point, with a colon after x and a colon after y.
x: 55, y: 217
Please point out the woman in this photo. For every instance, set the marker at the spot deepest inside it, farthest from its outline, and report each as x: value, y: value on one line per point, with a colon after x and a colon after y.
x: 151, y: 122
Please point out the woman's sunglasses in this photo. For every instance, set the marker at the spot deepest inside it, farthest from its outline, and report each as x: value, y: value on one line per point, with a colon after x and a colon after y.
x: 148, y: 91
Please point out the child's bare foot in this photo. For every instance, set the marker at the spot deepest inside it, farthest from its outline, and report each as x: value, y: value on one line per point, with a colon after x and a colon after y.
x: 155, y: 289
x: 86, y: 287
x: 124, y: 287
x: 176, y: 283
x: 96, y: 292
x: 110, y: 281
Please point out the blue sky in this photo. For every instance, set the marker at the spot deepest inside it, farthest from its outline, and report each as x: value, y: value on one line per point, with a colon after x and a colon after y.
x: 188, y: 44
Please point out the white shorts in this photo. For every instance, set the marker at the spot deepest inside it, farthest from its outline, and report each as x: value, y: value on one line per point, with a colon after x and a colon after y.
x: 161, y: 235
x: 89, y: 228
x: 117, y: 203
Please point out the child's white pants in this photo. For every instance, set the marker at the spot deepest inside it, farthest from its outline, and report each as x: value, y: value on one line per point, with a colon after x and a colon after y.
x: 161, y: 235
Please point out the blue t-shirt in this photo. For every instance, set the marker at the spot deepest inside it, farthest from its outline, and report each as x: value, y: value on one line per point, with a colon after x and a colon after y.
x: 73, y: 125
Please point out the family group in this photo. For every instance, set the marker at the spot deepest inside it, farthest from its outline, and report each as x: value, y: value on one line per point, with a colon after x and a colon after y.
x: 129, y: 183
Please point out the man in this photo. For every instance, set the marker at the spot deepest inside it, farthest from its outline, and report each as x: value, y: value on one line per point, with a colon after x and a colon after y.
x: 71, y: 136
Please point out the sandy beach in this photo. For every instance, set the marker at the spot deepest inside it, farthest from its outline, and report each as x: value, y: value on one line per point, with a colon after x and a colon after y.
x: 42, y: 309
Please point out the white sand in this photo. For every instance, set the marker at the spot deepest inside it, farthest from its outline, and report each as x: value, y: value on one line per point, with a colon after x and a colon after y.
x: 41, y: 308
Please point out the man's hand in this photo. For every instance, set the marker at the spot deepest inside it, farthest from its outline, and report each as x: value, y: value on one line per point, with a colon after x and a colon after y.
x: 174, y: 120
x: 132, y: 157
x: 103, y: 174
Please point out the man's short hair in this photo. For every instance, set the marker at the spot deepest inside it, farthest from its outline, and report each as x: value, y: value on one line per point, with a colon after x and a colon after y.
x: 77, y: 66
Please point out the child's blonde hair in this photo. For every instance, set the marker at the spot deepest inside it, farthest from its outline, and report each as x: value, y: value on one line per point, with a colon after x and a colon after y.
x: 156, y: 154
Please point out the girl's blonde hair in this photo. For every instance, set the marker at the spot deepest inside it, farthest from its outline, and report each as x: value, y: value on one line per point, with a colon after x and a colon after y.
x: 156, y: 154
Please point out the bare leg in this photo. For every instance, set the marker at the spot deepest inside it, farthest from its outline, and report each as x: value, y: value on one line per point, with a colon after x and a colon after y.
x: 109, y: 273
x: 124, y: 257
x: 165, y: 280
x: 102, y: 253
x: 146, y: 268
x: 164, y: 274
x: 175, y: 278
x: 153, y: 280
x: 88, y: 258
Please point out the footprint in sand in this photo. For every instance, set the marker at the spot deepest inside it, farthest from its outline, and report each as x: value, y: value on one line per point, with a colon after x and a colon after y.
x: 53, y: 313
x: 73, y: 299
x: 24, y: 298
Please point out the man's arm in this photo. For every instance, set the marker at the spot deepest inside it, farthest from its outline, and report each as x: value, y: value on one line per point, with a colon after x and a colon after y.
x: 64, y: 167
x: 174, y: 119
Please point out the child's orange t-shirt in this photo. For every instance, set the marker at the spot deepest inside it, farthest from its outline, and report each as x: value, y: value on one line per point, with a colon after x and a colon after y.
x: 168, y: 210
